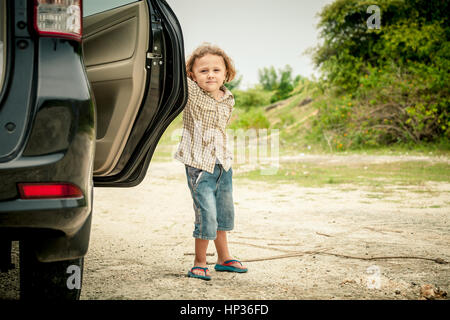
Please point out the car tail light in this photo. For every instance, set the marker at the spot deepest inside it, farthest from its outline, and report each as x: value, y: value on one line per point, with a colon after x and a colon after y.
x: 48, y: 190
x: 59, y: 18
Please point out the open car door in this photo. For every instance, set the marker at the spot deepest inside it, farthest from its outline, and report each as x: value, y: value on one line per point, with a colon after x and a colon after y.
x: 134, y: 58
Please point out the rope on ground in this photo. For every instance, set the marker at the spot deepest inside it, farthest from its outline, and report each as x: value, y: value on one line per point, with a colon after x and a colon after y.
x: 297, y: 254
x: 437, y: 260
x: 292, y: 254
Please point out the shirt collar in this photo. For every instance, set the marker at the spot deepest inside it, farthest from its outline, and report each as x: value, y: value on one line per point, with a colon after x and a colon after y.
x: 226, y: 95
x: 227, y: 92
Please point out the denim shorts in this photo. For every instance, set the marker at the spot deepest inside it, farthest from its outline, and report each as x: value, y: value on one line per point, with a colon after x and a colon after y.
x: 213, y: 200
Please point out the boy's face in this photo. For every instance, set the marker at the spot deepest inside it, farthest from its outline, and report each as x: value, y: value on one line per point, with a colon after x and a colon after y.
x: 209, y: 72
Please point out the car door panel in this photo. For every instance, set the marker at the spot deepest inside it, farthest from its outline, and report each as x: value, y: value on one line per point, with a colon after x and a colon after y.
x: 163, y: 99
x: 114, y: 46
x: 105, y: 40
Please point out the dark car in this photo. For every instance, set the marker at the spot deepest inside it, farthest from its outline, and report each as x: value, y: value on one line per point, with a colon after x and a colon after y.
x: 84, y: 101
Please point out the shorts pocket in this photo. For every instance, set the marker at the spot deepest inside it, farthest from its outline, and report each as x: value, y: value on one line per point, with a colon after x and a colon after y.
x: 198, y: 178
x: 194, y: 175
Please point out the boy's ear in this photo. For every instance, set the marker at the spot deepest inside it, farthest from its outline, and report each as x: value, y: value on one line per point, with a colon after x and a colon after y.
x: 191, y: 75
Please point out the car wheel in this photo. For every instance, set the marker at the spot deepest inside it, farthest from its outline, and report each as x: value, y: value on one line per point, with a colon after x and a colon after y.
x: 60, y: 280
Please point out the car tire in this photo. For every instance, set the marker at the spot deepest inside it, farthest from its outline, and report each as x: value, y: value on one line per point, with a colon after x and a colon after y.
x: 5, y: 256
x: 60, y: 280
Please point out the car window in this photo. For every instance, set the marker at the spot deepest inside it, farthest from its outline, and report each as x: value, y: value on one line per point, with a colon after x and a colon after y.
x: 91, y: 7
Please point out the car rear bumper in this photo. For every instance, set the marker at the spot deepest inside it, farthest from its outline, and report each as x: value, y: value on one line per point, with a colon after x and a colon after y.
x: 56, y: 229
x: 62, y: 215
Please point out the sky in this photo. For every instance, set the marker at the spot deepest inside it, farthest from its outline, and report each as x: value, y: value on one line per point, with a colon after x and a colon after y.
x: 254, y: 33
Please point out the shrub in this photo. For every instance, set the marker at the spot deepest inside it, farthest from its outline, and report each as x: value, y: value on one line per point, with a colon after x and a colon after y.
x: 253, y: 118
x: 251, y: 98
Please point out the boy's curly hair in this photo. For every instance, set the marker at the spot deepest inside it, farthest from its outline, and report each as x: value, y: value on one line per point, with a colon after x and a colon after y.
x: 207, y: 48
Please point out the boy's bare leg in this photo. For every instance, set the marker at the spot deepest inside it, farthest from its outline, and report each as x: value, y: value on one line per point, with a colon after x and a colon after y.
x: 223, y: 253
x: 200, y: 256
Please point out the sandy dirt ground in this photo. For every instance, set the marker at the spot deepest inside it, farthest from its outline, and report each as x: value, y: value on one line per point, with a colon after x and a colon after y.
x: 336, y: 242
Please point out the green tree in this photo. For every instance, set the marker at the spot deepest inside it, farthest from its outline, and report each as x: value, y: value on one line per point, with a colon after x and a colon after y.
x: 268, y: 78
x: 397, y: 75
x: 285, y: 84
x: 280, y: 82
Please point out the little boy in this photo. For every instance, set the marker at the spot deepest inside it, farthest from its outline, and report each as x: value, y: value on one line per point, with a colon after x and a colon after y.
x: 203, y: 150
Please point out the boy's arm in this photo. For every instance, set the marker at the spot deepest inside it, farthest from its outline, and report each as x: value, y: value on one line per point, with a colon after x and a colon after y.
x: 231, y: 112
x: 193, y: 93
x: 193, y: 89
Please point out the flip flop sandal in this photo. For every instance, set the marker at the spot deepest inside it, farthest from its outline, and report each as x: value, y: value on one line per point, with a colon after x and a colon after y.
x: 193, y: 275
x: 227, y: 266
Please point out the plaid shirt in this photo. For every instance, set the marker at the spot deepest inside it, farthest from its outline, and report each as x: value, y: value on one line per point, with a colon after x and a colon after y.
x: 204, y: 138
